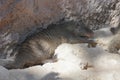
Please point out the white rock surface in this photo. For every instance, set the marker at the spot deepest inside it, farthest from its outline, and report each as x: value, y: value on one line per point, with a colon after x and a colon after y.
x: 4, y: 73
x: 103, y: 36
x: 72, y: 58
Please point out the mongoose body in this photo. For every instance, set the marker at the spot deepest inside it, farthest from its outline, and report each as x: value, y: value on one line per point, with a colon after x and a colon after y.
x: 37, y: 48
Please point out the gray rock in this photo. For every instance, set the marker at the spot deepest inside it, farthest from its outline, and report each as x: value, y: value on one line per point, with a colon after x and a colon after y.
x: 22, y: 18
x: 4, y: 73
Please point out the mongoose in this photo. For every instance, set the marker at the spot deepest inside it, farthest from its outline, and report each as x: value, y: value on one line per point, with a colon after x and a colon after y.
x: 114, y: 44
x: 37, y: 48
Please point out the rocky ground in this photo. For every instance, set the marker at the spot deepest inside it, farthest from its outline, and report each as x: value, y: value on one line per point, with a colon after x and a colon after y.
x: 21, y: 18
x: 75, y: 62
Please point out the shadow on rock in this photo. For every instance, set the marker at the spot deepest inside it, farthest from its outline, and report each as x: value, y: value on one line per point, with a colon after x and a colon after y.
x: 51, y: 76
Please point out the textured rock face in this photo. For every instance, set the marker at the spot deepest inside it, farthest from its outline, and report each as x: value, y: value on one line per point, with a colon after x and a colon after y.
x: 94, y: 13
x: 20, y: 18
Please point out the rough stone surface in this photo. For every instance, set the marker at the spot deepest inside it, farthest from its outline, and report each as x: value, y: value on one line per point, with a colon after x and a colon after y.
x: 4, y: 73
x: 21, y: 18
x: 94, y: 13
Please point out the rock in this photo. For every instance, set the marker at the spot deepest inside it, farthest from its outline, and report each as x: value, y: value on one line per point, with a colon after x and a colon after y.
x: 33, y: 73
x: 94, y: 13
x: 103, y: 37
x: 22, y: 18
x: 4, y: 73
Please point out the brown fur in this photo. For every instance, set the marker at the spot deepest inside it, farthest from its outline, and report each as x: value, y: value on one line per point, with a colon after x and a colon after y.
x: 40, y: 47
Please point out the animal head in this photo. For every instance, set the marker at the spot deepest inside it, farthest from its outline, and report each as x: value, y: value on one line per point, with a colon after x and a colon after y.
x: 83, y: 31
x: 79, y: 29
